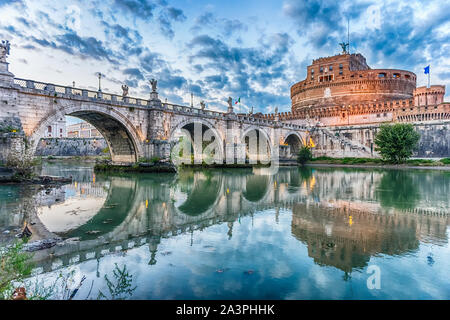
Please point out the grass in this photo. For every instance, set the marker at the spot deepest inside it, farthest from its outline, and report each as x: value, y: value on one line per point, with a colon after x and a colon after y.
x: 370, y: 161
x: 347, y: 160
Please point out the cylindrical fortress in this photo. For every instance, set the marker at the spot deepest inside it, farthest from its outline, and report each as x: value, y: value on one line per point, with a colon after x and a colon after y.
x: 346, y: 79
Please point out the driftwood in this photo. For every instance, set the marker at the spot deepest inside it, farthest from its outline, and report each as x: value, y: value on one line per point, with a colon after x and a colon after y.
x: 41, y: 244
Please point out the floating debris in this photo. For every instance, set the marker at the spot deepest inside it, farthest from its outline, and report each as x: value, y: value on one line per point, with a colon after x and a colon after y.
x: 249, y: 272
x: 166, y: 253
x: 41, y: 244
x: 110, y: 206
x: 19, y: 294
x: 107, y: 221
x: 93, y: 232
x: 26, y: 232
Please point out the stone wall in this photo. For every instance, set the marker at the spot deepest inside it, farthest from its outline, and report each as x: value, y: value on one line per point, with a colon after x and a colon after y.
x: 10, y: 143
x: 434, y: 137
x: 12, y: 137
x: 65, y: 147
x: 434, y: 140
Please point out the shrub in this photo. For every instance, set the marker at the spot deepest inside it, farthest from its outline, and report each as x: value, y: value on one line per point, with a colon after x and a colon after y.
x: 445, y: 161
x: 15, y: 266
x: 304, y: 155
x: 396, y: 142
x: 155, y: 159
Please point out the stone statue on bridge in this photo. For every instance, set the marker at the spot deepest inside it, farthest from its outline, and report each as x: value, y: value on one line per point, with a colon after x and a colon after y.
x: 4, y: 50
x: 153, y: 83
x: 125, y: 90
x: 230, y: 105
x: 202, y: 105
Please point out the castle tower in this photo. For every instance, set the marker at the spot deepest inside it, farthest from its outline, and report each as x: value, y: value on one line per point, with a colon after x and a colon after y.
x: 346, y: 79
x: 431, y: 96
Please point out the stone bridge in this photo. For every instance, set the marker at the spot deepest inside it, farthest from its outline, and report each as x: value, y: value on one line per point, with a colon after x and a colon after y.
x: 138, y: 128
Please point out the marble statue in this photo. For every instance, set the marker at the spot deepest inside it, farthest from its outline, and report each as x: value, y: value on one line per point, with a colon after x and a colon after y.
x: 125, y: 90
x: 202, y: 105
x: 230, y: 105
x: 153, y: 83
x: 4, y: 50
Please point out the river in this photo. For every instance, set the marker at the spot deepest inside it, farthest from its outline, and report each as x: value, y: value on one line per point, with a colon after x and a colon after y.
x: 304, y: 233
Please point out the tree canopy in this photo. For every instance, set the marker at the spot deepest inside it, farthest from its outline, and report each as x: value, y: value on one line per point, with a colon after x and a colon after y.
x: 396, y: 143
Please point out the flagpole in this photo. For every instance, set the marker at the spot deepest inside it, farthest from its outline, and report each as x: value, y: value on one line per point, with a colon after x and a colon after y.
x: 429, y: 76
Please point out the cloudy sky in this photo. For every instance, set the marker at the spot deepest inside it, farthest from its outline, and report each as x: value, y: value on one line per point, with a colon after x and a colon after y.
x: 251, y: 49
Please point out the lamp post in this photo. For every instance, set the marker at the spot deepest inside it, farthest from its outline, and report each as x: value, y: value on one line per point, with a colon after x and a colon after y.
x: 99, y: 75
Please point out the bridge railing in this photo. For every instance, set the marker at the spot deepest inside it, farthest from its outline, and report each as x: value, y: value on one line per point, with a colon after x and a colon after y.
x: 51, y: 89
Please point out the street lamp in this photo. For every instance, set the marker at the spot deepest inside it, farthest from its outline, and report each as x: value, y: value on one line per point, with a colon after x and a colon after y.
x: 99, y: 75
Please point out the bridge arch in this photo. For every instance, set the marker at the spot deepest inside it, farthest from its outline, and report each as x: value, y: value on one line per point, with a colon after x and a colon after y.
x: 123, y: 140
x: 188, y: 124
x: 264, y: 151
x: 295, y: 141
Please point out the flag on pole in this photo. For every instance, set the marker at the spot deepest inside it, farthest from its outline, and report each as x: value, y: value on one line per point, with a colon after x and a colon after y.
x: 426, y: 70
x: 238, y: 101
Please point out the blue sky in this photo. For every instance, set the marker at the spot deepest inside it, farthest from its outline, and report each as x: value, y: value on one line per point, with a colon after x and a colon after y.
x: 250, y: 49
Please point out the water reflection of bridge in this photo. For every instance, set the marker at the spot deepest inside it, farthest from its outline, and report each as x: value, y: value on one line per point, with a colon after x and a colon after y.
x: 334, y: 215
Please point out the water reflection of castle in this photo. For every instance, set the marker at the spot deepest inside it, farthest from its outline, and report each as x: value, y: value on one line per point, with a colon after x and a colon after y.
x: 343, y: 217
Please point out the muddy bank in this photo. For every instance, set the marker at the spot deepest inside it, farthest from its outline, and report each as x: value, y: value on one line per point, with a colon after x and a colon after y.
x: 9, y: 175
x: 160, y: 167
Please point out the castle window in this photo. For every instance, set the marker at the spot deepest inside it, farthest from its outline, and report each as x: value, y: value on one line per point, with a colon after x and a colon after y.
x: 382, y: 75
x: 407, y: 76
x: 340, y: 71
x: 378, y: 115
x: 340, y: 66
x: 396, y: 75
x: 49, y: 128
x: 331, y: 68
x: 321, y: 69
x: 312, y: 77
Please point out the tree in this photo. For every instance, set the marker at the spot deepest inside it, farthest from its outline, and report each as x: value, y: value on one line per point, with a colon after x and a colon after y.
x: 396, y: 143
x: 304, y: 155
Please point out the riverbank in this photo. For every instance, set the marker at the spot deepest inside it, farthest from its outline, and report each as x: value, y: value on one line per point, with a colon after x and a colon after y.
x: 163, y: 167
x: 377, y: 166
x: 439, y: 164
x: 74, y: 158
